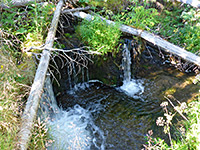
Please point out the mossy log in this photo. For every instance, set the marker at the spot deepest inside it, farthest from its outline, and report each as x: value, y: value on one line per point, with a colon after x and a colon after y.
x: 154, y: 39
x: 33, y: 101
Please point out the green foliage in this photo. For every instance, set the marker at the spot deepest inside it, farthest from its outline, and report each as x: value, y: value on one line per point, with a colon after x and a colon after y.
x: 112, y: 5
x: 21, y: 25
x: 100, y: 36
x: 181, y: 27
x: 138, y: 16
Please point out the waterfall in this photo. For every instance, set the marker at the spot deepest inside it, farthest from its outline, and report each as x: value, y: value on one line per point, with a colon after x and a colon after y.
x: 131, y: 87
x: 69, y: 78
x: 126, y: 63
x: 73, y: 128
x: 48, y: 105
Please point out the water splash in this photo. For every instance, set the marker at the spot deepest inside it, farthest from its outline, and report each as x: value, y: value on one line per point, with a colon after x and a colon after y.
x: 72, y: 129
x: 131, y: 87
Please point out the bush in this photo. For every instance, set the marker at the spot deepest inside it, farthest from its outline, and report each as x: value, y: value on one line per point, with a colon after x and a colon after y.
x: 100, y: 36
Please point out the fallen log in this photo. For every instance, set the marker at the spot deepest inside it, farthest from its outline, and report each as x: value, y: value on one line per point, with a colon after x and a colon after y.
x: 154, y: 39
x: 18, y: 3
x: 33, y: 101
x: 66, y: 11
x: 194, y: 3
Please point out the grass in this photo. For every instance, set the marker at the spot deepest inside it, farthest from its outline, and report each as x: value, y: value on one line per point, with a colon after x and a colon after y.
x: 17, y: 33
x: 14, y: 88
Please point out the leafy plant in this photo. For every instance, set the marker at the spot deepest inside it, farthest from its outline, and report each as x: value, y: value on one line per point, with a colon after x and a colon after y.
x: 138, y: 16
x: 180, y: 27
x: 100, y: 36
x: 21, y: 24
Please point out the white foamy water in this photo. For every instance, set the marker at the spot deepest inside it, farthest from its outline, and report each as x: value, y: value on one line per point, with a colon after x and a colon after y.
x: 79, y: 86
x: 74, y: 130
x: 132, y: 88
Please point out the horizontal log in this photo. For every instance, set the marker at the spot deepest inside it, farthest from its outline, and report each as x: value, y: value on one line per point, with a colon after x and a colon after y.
x: 17, y: 3
x: 154, y: 39
x: 66, y: 11
x: 33, y: 101
x: 20, y: 3
x: 194, y: 3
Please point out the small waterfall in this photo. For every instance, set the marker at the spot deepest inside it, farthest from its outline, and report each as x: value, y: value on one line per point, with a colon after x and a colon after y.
x: 126, y: 63
x: 48, y: 105
x: 69, y: 78
x: 83, y: 75
x: 131, y: 87
x: 75, y: 78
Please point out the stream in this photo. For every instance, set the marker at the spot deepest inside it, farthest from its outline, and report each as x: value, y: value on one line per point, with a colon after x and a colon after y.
x: 95, y: 116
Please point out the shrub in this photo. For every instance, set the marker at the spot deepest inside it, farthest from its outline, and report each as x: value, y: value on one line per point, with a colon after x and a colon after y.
x: 100, y: 36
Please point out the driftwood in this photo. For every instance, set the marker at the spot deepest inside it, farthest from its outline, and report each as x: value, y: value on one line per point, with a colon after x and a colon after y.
x: 156, y: 40
x: 33, y: 101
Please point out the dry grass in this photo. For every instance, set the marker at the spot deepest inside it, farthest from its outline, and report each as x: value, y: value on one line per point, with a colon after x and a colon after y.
x: 15, y: 84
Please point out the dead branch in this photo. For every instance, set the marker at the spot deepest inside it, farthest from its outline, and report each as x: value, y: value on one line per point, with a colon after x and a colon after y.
x: 175, y: 108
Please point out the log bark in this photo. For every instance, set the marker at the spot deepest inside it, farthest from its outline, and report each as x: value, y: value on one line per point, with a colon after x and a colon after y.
x: 156, y: 40
x: 66, y: 11
x: 19, y: 3
x: 33, y: 101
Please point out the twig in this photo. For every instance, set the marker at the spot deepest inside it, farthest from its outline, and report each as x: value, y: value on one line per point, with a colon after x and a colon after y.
x: 176, y: 109
x: 66, y: 51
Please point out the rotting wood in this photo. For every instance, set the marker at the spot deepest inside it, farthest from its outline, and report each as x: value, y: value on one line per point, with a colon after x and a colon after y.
x: 33, y: 101
x: 156, y: 40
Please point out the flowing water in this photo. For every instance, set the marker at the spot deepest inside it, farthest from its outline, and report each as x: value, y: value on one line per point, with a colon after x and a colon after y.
x: 94, y: 116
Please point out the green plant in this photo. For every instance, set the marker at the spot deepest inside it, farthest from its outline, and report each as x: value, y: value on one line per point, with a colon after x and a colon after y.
x: 100, y: 36
x: 180, y: 27
x: 21, y: 25
x: 188, y: 129
x: 138, y: 16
